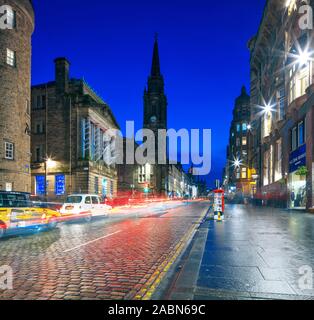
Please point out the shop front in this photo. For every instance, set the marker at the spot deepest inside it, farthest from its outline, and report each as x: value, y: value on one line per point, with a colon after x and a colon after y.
x: 297, y: 179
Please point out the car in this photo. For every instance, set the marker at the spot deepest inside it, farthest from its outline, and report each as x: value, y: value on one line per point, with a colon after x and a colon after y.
x: 85, y: 205
x: 17, y: 213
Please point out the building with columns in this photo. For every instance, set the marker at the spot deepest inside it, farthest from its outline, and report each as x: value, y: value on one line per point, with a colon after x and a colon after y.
x: 72, y: 138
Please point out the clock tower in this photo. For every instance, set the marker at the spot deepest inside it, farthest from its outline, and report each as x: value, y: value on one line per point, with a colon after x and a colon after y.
x: 155, y: 118
x: 155, y: 100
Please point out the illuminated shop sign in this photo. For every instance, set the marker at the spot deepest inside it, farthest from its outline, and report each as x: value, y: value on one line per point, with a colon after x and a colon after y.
x: 40, y: 185
x: 60, y: 185
x: 297, y: 159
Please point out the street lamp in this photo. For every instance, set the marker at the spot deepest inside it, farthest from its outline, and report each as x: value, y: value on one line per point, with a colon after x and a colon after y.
x: 268, y: 108
x: 49, y: 163
x: 237, y: 163
x: 303, y: 58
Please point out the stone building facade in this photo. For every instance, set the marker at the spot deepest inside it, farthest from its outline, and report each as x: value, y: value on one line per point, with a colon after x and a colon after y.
x: 15, y: 93
x: 72, y: 138
x: 282, y: 107
x: 239, y: 181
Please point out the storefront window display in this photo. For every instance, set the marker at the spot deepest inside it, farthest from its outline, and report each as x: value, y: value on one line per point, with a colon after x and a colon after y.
x: 297, y: 190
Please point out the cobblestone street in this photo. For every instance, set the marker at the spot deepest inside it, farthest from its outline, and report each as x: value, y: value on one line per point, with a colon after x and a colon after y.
x: 103, y: 259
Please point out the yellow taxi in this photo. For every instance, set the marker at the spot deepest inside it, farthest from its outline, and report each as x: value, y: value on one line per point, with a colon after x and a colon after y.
x: 17, y: 214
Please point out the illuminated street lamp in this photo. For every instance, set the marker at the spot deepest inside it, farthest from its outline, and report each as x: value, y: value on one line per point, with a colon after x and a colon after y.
x: 268, y: 108
x: 303, y: 58
x: 237, y: 163
x: 49, y: 163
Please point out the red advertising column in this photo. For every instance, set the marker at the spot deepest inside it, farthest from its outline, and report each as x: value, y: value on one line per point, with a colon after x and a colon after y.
x: 219, y: 204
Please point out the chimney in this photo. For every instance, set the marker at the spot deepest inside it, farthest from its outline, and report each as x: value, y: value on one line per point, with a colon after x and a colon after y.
x: 62, y: 66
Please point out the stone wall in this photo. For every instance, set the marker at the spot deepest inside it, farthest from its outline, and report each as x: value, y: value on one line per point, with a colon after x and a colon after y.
x: 15, y: 96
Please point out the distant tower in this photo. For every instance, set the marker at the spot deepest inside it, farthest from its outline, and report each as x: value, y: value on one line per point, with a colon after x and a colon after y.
x: 16, y: 28
x: 155, y: 116
x: 155, y: 100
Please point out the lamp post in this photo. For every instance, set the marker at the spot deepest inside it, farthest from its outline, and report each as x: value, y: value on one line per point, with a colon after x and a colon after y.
x: 49, y: 163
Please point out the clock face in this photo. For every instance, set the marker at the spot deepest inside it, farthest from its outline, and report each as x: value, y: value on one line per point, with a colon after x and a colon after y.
x: 153, y: 119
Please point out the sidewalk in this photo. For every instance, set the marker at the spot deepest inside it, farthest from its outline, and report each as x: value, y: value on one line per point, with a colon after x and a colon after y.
x: 255, y: 254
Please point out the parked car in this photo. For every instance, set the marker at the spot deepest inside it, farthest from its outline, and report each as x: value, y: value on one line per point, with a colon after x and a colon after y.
x: 85, y: 205
x: 17, y: 213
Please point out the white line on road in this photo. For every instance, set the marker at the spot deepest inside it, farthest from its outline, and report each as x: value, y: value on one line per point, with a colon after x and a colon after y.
x: 89, y: 242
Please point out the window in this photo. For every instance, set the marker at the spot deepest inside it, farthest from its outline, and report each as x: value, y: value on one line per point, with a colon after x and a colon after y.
x: 11, y: 58
x: 304, y: 83
x: 74, y: 199
x: 238, y: 173
x: 39, y: 127
x: 298, y: 135
x: 244, y: 173
x: 271, y: 164
x: 244, y: 141
x: 299, y: 81
x: 266, y: 168
x: 278, y: 165
x: 39, y: 154
x: 244, y: 127
x: 9, y: 186
x: 301, y: 133
x: 104, y: 187
x: 294, y: 139
x: 96, y: 185
x: 38, y: 104
x: 11, y: 18
x: 111, y: 188
x: 43, y: 102
x: 280, y: 104
x: 267, y: 124
x: 95, y: 200
x: 9, y: 150
x: 238, y: 142
x: 142, y: 174
x: 88, y: 200
x: 238, y: 127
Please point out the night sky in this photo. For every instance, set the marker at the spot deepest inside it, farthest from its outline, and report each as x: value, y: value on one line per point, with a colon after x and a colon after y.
x: 203, y: 52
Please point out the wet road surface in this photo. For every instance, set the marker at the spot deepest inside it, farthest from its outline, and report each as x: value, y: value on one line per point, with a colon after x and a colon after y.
x: 104, y: 259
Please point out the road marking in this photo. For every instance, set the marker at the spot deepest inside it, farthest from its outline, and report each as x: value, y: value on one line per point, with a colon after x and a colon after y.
x: 152, y: 284
x: 89, y: 242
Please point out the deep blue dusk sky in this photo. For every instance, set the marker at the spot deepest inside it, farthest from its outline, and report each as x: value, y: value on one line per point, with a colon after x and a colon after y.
x: 203, y: 52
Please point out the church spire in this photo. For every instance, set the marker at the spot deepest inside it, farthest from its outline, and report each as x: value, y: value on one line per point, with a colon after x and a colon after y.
x: 155, y: 71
